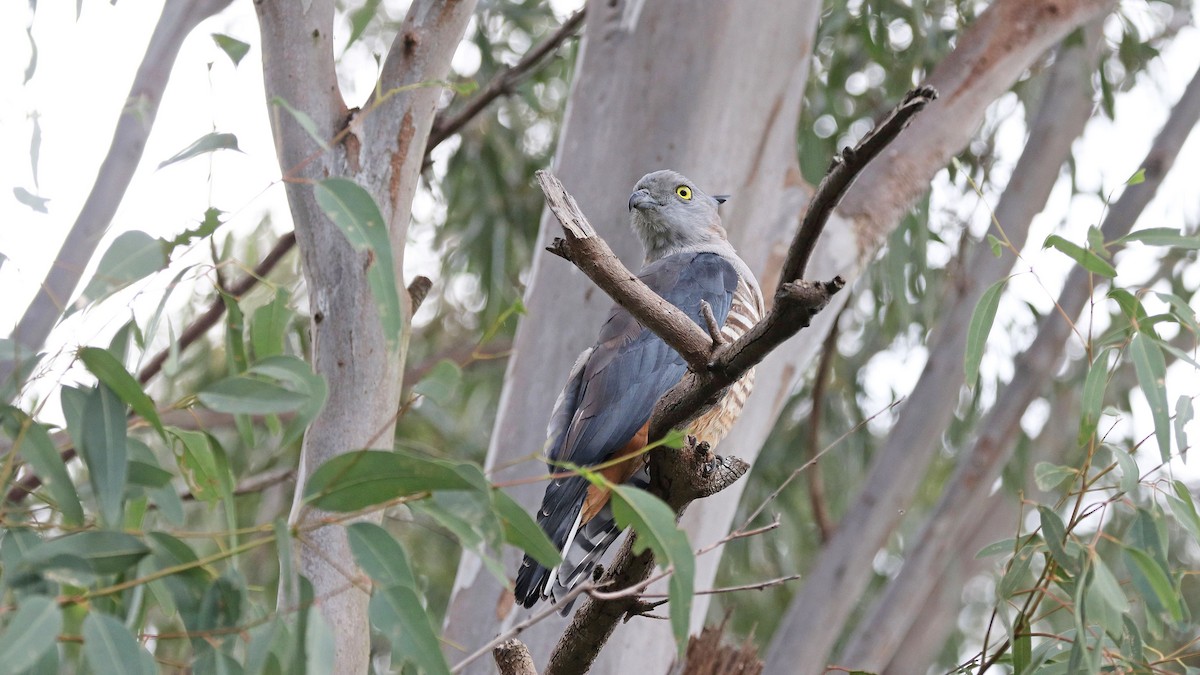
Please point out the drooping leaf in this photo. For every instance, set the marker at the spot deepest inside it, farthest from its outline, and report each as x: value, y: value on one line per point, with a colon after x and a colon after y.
x: 103, y: 447
x: 1183, y: 415
x: 1138, y: 176
x: 1087, y: 259
x: 1184, y: 509
x: 354, y: 212
x: 365, y: 478
x: 1129, y: 470
x: 109, y: 647
x: 1048, y: 476
x: 1151, y: 369
x: 208, y: 478
x: 103, y: 551
x: 1144, y: 568
x: 1163, y: 236
x: 234, y: 48
x: 654, y: 523
x: 31, y: 632
x: 38, y: 449
x: 360, y: 18
x: 269, y: 325
x: 1093, y: 396
x: 1055, y: 535
x: 302, y: 118
x: 522, y: 531
x: 35, y: 144
x: 208, y: 225
x: 209, y: 142
x: 380, y: 555
x: 31, y: 200
x: 109, y: 370
x: 979, y: 328
x: 441, y: 383
x: 468, y: 516
x: 247, y: 395
x: 132, y: 256
x: 319, y: 643
x: 398, y: 613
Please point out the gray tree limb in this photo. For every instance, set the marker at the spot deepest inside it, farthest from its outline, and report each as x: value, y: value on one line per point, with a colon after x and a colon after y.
x: 178, y: 19
x: 842, y: 570
x: 382, y: 148
x: 878, y: 636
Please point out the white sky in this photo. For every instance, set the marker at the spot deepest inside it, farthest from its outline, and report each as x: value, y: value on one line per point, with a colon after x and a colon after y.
x: 85, y: 67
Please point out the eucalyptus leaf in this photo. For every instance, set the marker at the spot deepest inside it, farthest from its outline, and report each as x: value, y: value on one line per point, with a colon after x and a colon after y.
x: 31, y: 632
x: 207, y: 143
x: 979, y: 328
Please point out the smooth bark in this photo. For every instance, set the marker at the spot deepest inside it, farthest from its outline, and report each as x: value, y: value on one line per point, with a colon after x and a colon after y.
x: 178, y: 19
x: 879, y: 634
x: 381, y: 148
x: 842, y: 570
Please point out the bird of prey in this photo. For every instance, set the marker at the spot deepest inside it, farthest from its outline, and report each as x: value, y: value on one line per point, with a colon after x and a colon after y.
x: 604, y: 410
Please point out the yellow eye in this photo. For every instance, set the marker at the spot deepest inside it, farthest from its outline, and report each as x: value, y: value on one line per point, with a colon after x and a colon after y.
x: 684, y: 192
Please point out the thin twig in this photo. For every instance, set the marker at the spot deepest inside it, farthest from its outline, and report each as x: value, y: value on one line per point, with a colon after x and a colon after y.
x: 503, y: 82
x: 516, y: 630
x: 756, y: 586
x: 816, y: 486
x: 710, y: 321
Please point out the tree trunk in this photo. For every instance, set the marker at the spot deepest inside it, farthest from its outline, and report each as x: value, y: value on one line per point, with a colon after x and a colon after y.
x: 841, y: 572
x: 382, y: 151
x: 716, y: 97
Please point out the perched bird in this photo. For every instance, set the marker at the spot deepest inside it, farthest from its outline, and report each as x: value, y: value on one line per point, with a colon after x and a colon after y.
x: 604, y: 410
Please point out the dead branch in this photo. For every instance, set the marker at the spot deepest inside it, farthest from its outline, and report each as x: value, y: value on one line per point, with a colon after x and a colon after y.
x: 513, y: 658
x: 674, y: 476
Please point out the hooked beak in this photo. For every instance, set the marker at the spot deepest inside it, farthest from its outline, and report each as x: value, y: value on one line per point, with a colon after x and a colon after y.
x: 641, y: 199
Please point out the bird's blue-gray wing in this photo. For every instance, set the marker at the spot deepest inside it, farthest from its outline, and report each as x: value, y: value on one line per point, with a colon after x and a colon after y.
x: 626, y: 373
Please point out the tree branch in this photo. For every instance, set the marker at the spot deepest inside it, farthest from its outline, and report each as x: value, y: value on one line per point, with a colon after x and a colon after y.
x: 116, y: 171
x: 445, y: 126
x: 674, y: 475
x: 878, y: 634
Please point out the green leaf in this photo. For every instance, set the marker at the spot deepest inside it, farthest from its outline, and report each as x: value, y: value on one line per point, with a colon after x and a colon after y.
x: 247, y: 395
x: 234, y: 48
x: 1130, y: 305
x: 198, y: 463
x: 654, y: 523
x: 996, y: 245
x: 365, y: 478
x: 31, y: 200
x: 1129, y: 470
x: 270, y: 324
x: 297, y: 376
x: 1138, y: 176
x: 1108, y: 587
x: 210, y: 142
x: 360, y: 18
x: 132, y: 256
x: 441, y: 383
x: 1185, y: 509
x: 1048, y: 476
x: 979, y: 328
x: 380, y: 555
x: 1093, y: 396
x: 1183, y: 415
x: 1144, y: 567
x: 104, y: 552
x: 1017, y: 576
x: 109, y: 647
x: 31, y: 632
x: 209, y: 224
x: 398, y: 613
x: 1163, y: 236
x: 1086, y: 258
x: 109, y: 370
x: 469, y: 517
x: 1151, y: 369
x: 354, y: 212
x: 103, y: 447
x: 1002, y: 547
x: 33, y: 441
x: 522, y: 531
x: 1055, y: 535
x: 302, y: 118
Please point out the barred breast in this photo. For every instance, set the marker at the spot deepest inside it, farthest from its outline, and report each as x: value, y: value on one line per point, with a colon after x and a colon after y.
x: 713, y: 425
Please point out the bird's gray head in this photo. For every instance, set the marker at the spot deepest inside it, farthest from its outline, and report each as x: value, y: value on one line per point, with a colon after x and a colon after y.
x: 670, y: 214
